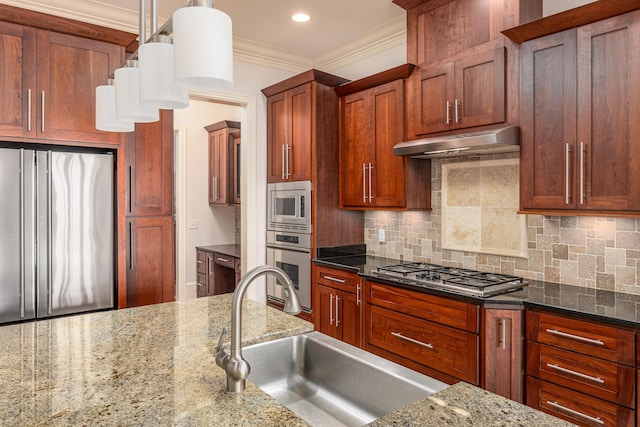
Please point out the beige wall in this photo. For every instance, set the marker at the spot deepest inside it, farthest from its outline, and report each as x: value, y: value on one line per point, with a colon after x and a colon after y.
x: 596, y: 252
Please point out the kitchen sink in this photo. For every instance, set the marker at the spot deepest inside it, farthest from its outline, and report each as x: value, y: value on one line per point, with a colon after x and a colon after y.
x: 327, y: 382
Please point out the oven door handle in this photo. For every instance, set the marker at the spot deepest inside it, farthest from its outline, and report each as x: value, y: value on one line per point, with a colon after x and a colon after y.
x: 289, y: 248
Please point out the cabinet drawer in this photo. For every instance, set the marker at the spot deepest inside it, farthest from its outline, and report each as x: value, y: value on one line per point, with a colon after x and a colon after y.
x: 224, y: 260
x: 605, y: 342
x: 337, y: 279
x: 576, y: 407
x: 446, y: 311
x: 596, y: 377
x: 445, y: 349
x: 201, y: 284
x: 201, y: 262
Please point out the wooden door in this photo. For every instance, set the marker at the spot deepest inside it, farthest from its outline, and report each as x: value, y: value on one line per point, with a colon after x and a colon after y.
x: 150, y: 265
x: 149, y: 153
x: 608, y: 155
x: 480, y: 81
x: 356, y: 146
x: 434, y: 97
x: 214, y: 168
x: 18, y: 89
x: 277, y: 123
x: 211, y: 277
x: 350, y: 318
x: 388, y: 170
x: 548, y: 122
x: 236, y: 168
x: 219, y: 167
x: 324, y: 310
x: 298, y: 153
x: 69, y: 69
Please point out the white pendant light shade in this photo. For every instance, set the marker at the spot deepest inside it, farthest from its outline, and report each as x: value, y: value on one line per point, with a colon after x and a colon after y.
x: 106, y: 119
x: 128, y: 105
x: 202, y: 37
x: 158, y: 88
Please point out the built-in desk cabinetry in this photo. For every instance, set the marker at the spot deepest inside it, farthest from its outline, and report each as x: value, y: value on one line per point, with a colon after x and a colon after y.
x: 218, y: 269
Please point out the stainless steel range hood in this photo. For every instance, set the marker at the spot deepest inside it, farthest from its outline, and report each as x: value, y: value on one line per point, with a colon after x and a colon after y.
x: 485, y: 142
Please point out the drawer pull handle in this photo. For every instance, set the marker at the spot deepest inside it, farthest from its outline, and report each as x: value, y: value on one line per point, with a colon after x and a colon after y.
x: 335, y: 279
x: 576, y: 413
x: 222, y: 259
x: 395, y: 334
x: 575, y: 337
x: 200, y: 262
x: 200, y: 284
x: 577, y: 374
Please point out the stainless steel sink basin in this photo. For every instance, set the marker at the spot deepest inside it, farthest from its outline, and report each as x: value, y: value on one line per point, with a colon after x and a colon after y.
x: 329, y: 383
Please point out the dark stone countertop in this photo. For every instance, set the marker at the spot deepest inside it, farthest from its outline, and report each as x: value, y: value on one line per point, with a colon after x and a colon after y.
x: 614, y: 307
x: 230, y: 249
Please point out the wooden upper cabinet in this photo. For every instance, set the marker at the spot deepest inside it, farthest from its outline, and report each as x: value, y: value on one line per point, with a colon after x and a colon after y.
x: 580, y: 100
x: 69, y: 70
x: 467, y: 92
x: 18, y: 65
x: 289, y: 117
x: 222, y: 162
x: 149, y: 158
x: 371, y: 176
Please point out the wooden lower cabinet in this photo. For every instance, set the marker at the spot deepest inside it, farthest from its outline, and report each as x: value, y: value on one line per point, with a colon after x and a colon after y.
x: 434, y: 335
x: 503, y: 352
x: 216, y: 273
x: 337, y: 306
x: 578, y: 408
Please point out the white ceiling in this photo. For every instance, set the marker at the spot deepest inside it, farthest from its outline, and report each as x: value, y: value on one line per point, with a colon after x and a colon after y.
x: 262, y: 28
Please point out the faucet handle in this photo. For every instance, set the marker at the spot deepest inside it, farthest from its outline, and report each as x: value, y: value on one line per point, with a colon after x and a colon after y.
x: 223, y: 335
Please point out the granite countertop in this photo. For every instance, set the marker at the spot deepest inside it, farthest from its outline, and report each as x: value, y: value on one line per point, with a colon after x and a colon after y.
x: 609, y: 306
x: 230, y: 249
x: 154, y: 365
x: 465, y: 405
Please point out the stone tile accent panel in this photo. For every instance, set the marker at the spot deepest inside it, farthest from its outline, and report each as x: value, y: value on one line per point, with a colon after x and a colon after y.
x: 595, y: 252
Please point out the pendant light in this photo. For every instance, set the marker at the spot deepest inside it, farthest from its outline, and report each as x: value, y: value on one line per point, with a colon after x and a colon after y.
x: 128, y: 105
x: 203, y: 42
x: 158, y: 88
x: 106, y: 119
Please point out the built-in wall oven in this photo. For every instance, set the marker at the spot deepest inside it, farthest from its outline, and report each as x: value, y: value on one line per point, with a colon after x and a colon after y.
x: 289, y: 238
x: 291, y: 252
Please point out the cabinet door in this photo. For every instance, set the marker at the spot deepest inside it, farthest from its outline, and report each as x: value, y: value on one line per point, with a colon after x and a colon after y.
x: 236, y: 168
x: 69, y: 70
x: 219, y: 168
x: 324, y: 311
x: 277, y: 123
x: 387, y: 173
x: 434, y: 95
x: 18, y: 89
x: 349, y: 318
x: 608, y: 112
x: 211, y: 277
x: 480, y: 89
x: 503, y: 344
x: 548, y: 122
x: 149, y: 153
x: 150, y: 265
x: 356, y: 136
x: 298, y: 154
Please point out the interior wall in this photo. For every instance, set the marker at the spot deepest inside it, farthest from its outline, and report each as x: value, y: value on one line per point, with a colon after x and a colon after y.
x: 216, y: 225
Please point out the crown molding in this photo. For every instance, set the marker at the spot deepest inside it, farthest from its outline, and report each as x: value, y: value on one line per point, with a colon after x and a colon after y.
x: 95, y: 12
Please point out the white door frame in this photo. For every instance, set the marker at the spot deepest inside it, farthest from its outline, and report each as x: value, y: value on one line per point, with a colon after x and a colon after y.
x: 253, y: 222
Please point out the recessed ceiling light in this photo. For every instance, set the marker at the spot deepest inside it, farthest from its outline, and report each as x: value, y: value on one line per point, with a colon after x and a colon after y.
x: 300, y: 17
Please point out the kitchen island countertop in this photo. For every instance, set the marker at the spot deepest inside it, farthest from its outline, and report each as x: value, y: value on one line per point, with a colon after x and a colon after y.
x: 154, y: 365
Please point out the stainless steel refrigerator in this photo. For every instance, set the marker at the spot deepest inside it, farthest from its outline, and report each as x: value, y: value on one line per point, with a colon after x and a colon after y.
x: 56, y: 233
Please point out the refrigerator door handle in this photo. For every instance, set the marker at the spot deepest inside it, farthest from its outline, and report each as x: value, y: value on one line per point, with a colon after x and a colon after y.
x: 49, y: 234
x: 22, y: 240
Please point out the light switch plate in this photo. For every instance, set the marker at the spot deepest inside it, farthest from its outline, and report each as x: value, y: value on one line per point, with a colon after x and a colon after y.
x: 381, y: 235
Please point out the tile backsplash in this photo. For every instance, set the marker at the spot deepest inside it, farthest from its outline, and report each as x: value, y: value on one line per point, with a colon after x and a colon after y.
x: 596, y: 252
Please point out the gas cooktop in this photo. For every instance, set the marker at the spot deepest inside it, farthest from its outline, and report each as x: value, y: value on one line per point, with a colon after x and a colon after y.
x: 458, y: 280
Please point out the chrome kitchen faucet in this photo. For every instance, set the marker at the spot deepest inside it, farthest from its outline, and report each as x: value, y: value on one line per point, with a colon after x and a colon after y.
x: 232, y: 362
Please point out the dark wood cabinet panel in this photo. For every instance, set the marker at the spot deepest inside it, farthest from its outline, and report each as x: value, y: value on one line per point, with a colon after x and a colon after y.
x: 575, y: 407
x: 579, y: 135
x: 223, y: 160
x: 149, y: 154
x: 217, y: 273
x: 150, y: 265
x: 436, y: 95
x: 289, y: 118
x: 503, y: 352
x: 370, y: 175
x: 18, y: 89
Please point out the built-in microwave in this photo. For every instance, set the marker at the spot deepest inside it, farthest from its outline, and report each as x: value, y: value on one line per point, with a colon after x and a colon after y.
x: 289, y: 206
